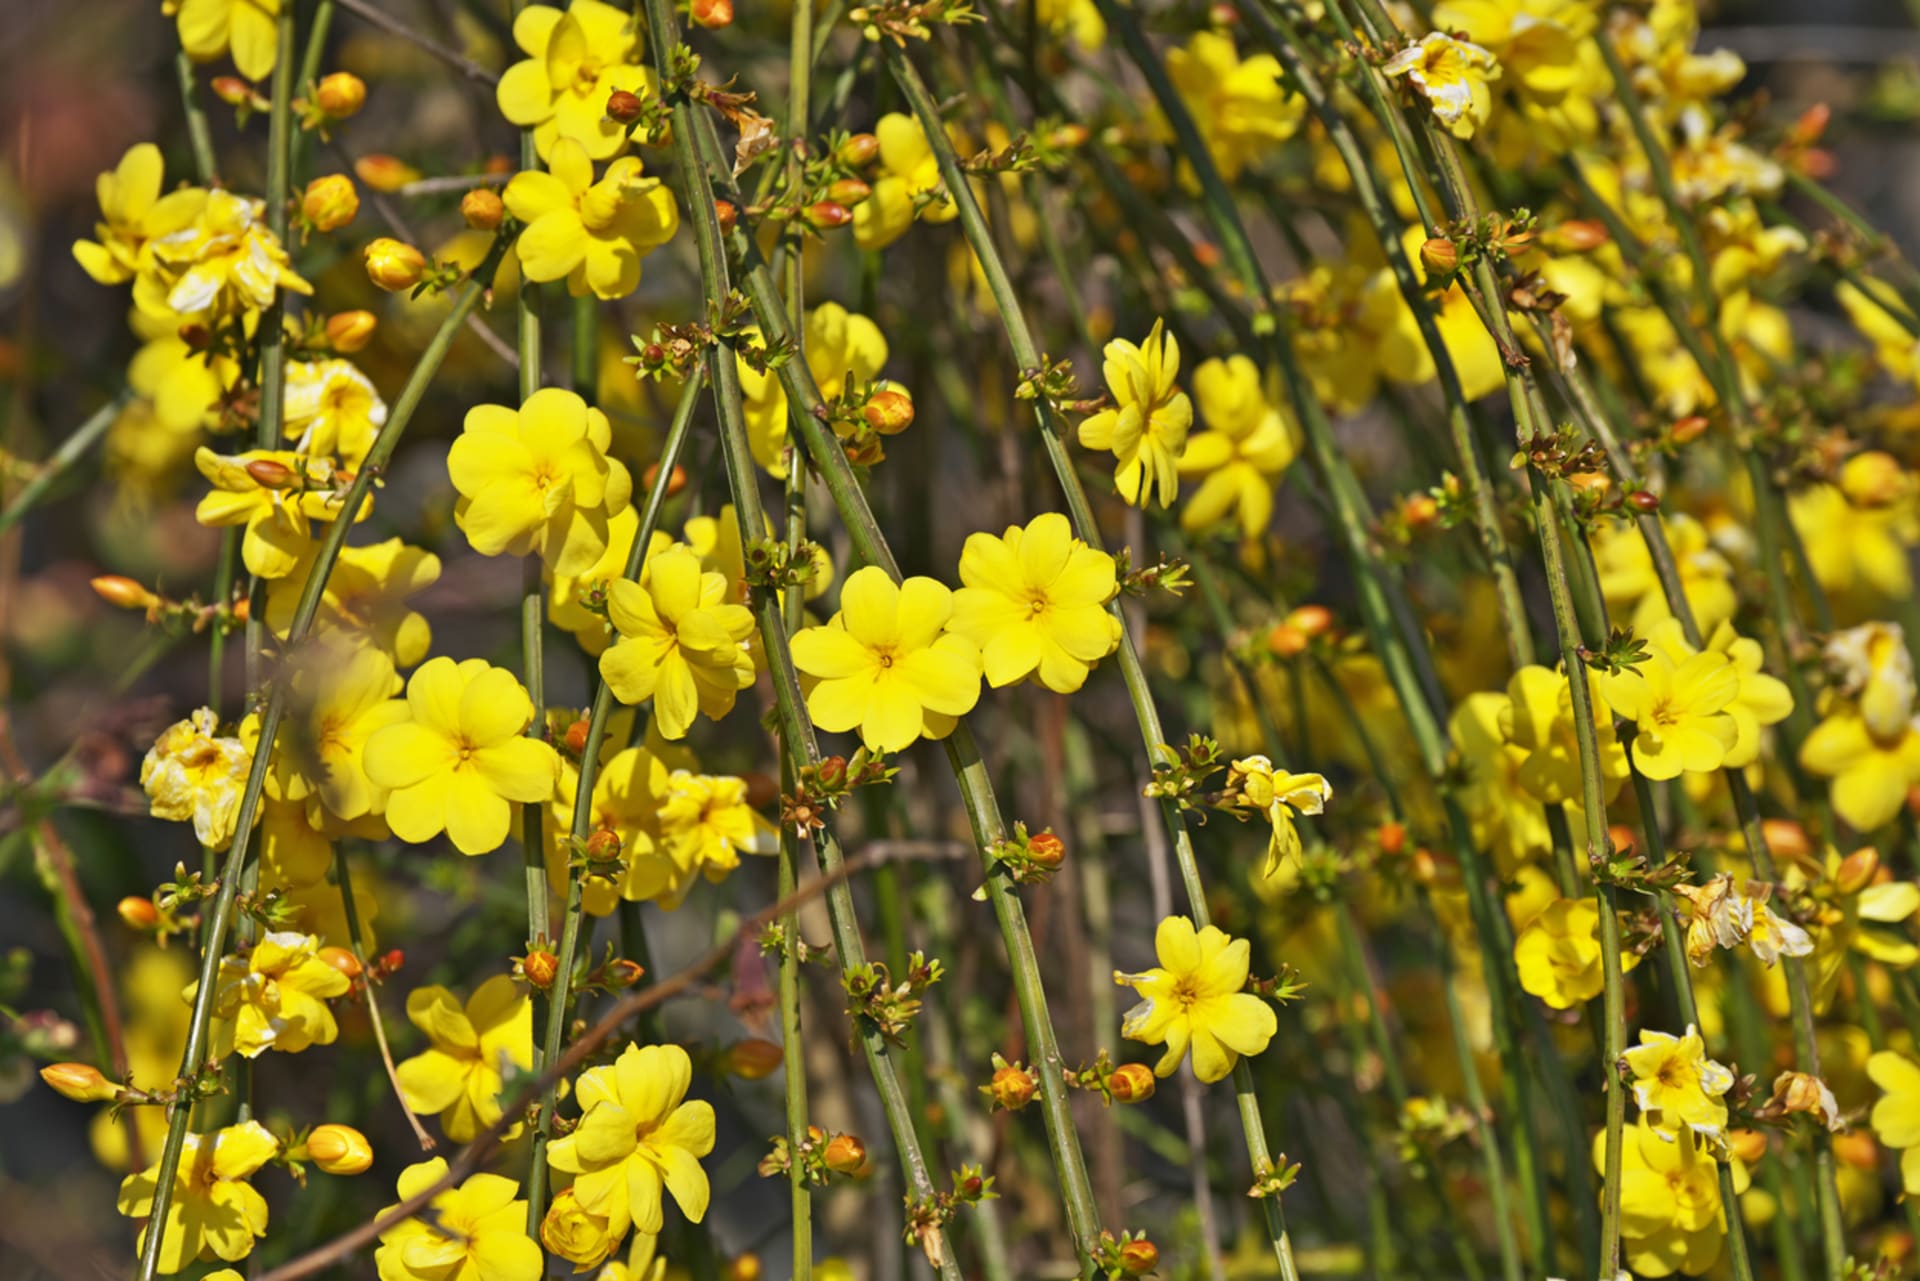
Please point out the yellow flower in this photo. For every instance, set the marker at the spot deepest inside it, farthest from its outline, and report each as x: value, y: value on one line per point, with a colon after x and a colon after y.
x: 1035, y: 602
x: 1453, y: 76
x: 628, y: 792
x: 223, y: 264
x: 575, y: 61
x: 332, y: 408
x: 1681, y: 709
x: 1876, y: 312
x: 133, y: 212
x: 1630, y: 586
x: 1195, y: 999
x: 1761, y: 699
x: 1540, y: 41
x: 590, y: 234
x: 538, y: 481
x: 1079, y: 20
x: 156, y: 1037
x: 1249, y: 447
x: 1872, y: 666
x: 474, y: 1232
x: 1279, y: 795
x: 841, y: 347
x: 1558, y: 954
x: 1896, y: 1115
x: 680, y: 642
x: 706, y: 823
x: 1239, y: 106
x: 887, y: 665
x: 1671, y: 1216
x: 341, y: 698
x: 1721, y: 917
x: 365, y: 597
x: 278, y: 512
x: 1506, y: 816
x: 1858, y: 552
x: 1871, y: 771
x: 460, y: 759
x: 1538, y: 719
x: 575, y: 1234
x: 636, y: 1135
x: 460, y: 1075
x: 246, y: 28
x: 907, y: 172
x: 274, y: 998
x: 214, y: 1213
x: 191, y: 773
x: 1147, y: 430
x: 1677, y: 1085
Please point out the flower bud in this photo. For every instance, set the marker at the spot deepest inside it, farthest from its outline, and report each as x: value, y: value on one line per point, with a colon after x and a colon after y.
x: 726, y: 215
x: 1138, y: 1258
x: 1857, y: 1149
x: 1012, y: 1088
x: 339, y: 958
x: 859, y: 151
x: 752, y: 1059
x: 269, y: 474
x: 138, y: 913
x: 832, y: 771
x: 826, y: 215
x: 330, y: 202
x: 234, y: 91
x: 712, y: 14
x: 482, y: 208
x: 394, y: 265
x: 1046, y: 849
x: 1069, y: 136
x: 1286, y: 641
x: 845, y: 1154
x: 1420, y: 511
x: 1786, y: 838
x: 1873, y: 479
x: 1577, y: 235
x: 540, y: 968
x: 1590, y: 482
x: 848, y: 192
x: 1644, y: 500
x: 1690, y: 428
x: 889, y: 411
x: 1313, y: 620
x: 339, y: 1149
x: 1857, y: 870
x: 81, y: 1082
x: 675, y: 482
x: 349, y: 331
x: 341, y: 94
x: 127, y: 594
x: 745, y: 1268
x: 574, y: 1233
x: 1440, y: 255
x: 603, y: 846
x: 624, y: 108
x: 385, y: 173
x: 1132, y: 1083
x: 625, y: 973
x: 1747, y: 1145
x: 575, y: 739
x: 1810, y: 126
x: 1392, y: 838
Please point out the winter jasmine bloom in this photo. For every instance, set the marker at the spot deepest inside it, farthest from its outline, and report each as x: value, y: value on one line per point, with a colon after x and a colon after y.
x: 1677, y: 1085
x: 1671, y: 1216
x: 133, y: 212
x: 1035, y: 602
x: 332, y: 409
x: 1196, y: 1000
x: 706, y: 824
x: 245, y: 28
x: 213, y: 1213
x: 193, y: 773
x: 276, y: 495
x: 576, y: 59
x: 476, y: 1231
x: 365, y: 597
x: 1278, y: 795
x: 681, y: 643
x: 1896, y: 1115
x: 1455, y: 78
x: 1147, y: 428
x: 1558, y: 954
x: 274, y: 998
x: 590, y: 234
x: 1248, y: 447
x: 1240, y: 106
x: 841, y: 347
x: 472, y: 1047
x: 907, y: 172
x: 1681, y: 709
x: 638, y: 1137
x: 225, y: 263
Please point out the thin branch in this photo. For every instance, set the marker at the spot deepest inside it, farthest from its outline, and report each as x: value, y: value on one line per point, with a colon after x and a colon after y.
x: 387, y: 22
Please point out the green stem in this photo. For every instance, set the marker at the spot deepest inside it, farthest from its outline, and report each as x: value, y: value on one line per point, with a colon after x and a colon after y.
x: 71, y: 450
x: 199, y: 135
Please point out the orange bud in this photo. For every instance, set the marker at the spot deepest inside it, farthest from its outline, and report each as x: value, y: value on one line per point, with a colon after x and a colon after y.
x: 394, y: 265
x: 1623, y: 837
x: 1644, y: 500
x: 603, y: 845
x: 1046, y: 849
x: 242, y: 610
x: 271, y: 474
x: 575, y: 739
x: 1206, y: 253
x: 726, y: 215
x: 1314, y: 620
x: 330, y: 202
x: 1594, y: 482
x: 1287, y: 641
x: 341, y: 94
x: 675, y: 482
x: 384, y: 172
x: 1857, y: 1149
x: 745, y: 1268
x: 339, y: 1149
x: 1690, y: 428
x: 845, y: 1154
x: 482, y: 208
x: 349, y: 331
x: 1812, y: 123
x: 825, y: 215
x: 1747, y: 1145
x: 713, y: 14
x: 138, y: 913
x: 1138, y: 1258
x: 234, y: 91
x: 752, y: 1059
x: 859, y: 151
x: 339, y: 958
x: 80, y: 1082
x: 848, y: 192
x: 1857, y: 870
x: 540, y: 968
x: 1013, y: 1088
x: 1067, y: 137
x: 1132, y: 1083
x: 124, y: 592
x: 1577, y: 235
x: 1786, y: 838
x: 624, y: 108
x: 1440, y: 255
x: 1420, y: 510
x: 889, y: 411
x: 1392, y: 838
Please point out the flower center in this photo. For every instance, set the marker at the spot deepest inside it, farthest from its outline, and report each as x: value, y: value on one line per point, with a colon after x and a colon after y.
x: 1036, y: 604
x: 1186, y: 992
x: 464, y: 750
x: 1664, y: 712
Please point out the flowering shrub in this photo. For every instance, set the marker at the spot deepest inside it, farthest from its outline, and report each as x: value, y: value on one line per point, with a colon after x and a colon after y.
x: 1385, y: 531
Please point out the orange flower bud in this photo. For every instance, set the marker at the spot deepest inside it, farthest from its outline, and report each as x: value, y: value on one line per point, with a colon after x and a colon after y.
x: 1012, y: 1088
x: 1046, y: 849
x: 1287, y: 641
x: 889, y: 411
x: 1420, y: 510
x: 1440, y: 255
x: 1132, y: 1083
x: 1747, y: 1145
x: 845, y: 1154
x: 1593, y: 482
x: 1206, y: 254
x: 339, y: 1149
x: 675, y: 483
x: 540, y: 968
x: 1313, y: 620
x: 138, y: 913
x: 234, y: 91
x: 726, y: 215
x: 269, y: 474
x: 1812, y: 123
x: 624, y: 108
x: 1392, y: 838
x: 394, y: 265
x: 1857, y: 870
x: 713, y: 14
x: 341, y: 94
x: 81, y: 1082
x: 859, y: 151
x: 127, y: 594
x: 242, y: 610
x: 1623, y: 837
x: 341, y: 959
x: 482, y: 208
x: 848, y: 192
x: 1786, y: 838
x: 575, y: 739
x: 752, y: 1058
x: 1857, y: 1149
x: 1577, y: 235
x: 349, y: 331
x: 825, y: 215
x: 330, y: 202
x: 1138, y: 1258
x: 1644, y: 500
x: 384, y: 172
x: 745, y: 1268
x: 1690, y: 428
x: 603, y: 845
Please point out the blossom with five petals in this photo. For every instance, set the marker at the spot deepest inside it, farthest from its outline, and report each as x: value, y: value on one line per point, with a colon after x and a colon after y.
x: 575, y: 61
x: 1147, y: 428
x: 638, y: 1134
x: 1035, y: 602
x: 475, y: 1232
x: 590, y: 234
x: 473, y: 1046
x: 681, y: 643
x: 214, y: 1213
